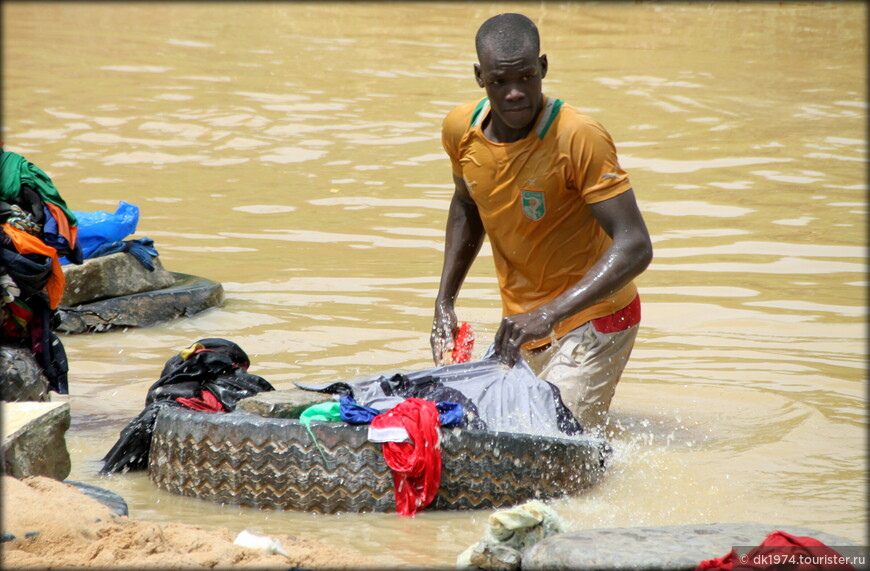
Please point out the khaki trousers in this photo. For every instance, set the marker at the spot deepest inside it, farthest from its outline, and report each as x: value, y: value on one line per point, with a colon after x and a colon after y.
x: 586, y: 365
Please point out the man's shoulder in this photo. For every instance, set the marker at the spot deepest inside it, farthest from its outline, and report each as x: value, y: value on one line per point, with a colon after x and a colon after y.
x: 459, y: 118
x: 571, y: 120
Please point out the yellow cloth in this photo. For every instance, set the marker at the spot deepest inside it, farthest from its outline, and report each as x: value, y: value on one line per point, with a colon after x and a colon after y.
x: 533, y: 196
x: 188, y: 353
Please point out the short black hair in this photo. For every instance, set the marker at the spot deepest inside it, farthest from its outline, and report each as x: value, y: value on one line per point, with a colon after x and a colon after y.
x: 508, y: 33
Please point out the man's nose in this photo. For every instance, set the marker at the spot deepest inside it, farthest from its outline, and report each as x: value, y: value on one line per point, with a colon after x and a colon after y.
x: 515, y: 94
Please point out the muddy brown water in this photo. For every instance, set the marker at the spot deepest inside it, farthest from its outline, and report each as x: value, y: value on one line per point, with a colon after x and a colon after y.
x: 291, y: 151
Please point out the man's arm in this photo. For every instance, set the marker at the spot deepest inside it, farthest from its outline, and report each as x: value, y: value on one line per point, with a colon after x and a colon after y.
x: 628, y: 256
x: 464, y: 238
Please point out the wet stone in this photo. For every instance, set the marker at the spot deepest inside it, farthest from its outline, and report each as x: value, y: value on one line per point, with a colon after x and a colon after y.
x: 288, y: 403
x: 495, y: 557
x: 110, y: 276
x: 668, y: 548
x: 21, y: 377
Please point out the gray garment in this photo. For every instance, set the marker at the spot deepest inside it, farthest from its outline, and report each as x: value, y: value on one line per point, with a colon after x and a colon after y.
x: 586, y: 365
x: 509, y: 400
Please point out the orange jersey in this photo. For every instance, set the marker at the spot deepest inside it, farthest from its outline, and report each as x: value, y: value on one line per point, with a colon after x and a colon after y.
x: 533, y: 196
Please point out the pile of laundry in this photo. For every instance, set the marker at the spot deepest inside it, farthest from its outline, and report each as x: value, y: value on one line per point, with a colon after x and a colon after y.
x: 36, y: 229
x: 39, y: 234
x: 406, y: 410
x: 211, y: 375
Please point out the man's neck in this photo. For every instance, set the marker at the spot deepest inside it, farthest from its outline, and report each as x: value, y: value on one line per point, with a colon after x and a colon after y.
x: 498, y: 132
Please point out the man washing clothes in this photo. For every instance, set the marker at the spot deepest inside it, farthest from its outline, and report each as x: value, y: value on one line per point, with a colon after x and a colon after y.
x: 542, y: 180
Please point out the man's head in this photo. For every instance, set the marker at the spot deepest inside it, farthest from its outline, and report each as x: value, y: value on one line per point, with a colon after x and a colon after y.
x: 511, y: 69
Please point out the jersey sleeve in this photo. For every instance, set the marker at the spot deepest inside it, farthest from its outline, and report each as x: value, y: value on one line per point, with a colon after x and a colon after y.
x: 596, y: 167
x: 452, y: 130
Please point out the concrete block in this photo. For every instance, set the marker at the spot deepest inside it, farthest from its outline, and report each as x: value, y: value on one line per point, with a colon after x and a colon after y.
x: 33, y: 439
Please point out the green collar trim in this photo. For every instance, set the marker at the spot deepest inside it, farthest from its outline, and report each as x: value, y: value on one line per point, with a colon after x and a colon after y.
x: 480, y: 112
x: 551, y: 109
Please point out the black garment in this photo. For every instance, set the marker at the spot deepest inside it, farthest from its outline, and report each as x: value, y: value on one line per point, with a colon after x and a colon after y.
x: 32, y: 204
x: 220, y: 369
x: 29, y: 201
x: 431, y: 388
x: 31, y: 272
x: 46, y: 346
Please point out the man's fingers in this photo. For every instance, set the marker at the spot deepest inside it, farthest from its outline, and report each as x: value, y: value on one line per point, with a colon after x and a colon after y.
x: 507, y: 342
x: 441, y: 340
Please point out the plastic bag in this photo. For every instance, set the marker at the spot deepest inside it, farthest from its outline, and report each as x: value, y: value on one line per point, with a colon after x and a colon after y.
x: 98, y: 227
x: 505, y: 399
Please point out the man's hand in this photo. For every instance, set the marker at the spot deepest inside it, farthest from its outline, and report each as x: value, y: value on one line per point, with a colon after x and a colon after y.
x: 517, y: 330
x: 442, y: 334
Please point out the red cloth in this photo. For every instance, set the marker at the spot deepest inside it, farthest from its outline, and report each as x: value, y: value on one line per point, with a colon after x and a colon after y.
x: 780, y: 551
x: 621, y: 320
x: 18, y: 318
x: 205, y: 402
x: 416, y: 465
x: 463, y: 343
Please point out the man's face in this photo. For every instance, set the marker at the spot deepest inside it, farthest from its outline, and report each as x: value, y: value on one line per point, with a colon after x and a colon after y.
x: 513, y: 85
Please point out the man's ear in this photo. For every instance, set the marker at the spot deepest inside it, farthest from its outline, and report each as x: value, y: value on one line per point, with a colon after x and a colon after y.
x: 543, y: 61
x: 478, y: 74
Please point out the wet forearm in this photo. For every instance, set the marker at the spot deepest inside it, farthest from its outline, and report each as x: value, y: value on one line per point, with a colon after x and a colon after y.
x: 620, y: 264
x: 465, y: 235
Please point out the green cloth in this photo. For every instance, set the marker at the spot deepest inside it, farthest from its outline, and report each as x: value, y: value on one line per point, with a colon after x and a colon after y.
x: 326, y: 412
x: 15, y: 170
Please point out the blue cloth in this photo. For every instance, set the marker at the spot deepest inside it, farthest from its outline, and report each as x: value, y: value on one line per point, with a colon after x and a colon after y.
x: 449, y: 413
x: 52, y: 236
x: 142, y: 249
x: 353, y: 413
x: 50, y: 233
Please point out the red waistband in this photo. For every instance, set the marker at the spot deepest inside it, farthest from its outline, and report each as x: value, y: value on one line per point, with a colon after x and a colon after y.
x: 621, y: 320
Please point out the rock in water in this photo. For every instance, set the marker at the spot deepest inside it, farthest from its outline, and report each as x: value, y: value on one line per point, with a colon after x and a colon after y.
x: 21, y: 377
x: 112, y: 276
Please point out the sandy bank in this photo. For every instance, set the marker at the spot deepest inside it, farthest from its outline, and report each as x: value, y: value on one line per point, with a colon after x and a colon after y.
x: 76, y: 531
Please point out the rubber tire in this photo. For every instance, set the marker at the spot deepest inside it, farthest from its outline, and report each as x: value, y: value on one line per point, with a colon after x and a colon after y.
x: 188, y: 296
x: 21, y: 377
x: 108, y: 498
x: 245, y: 459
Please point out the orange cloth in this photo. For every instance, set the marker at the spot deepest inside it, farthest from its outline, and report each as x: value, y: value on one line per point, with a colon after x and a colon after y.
x: 27, y: 244
x: 63, y: 225
x: 533, y: 196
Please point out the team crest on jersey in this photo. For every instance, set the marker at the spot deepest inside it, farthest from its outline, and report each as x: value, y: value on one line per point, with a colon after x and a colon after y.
x: 533, y: 204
